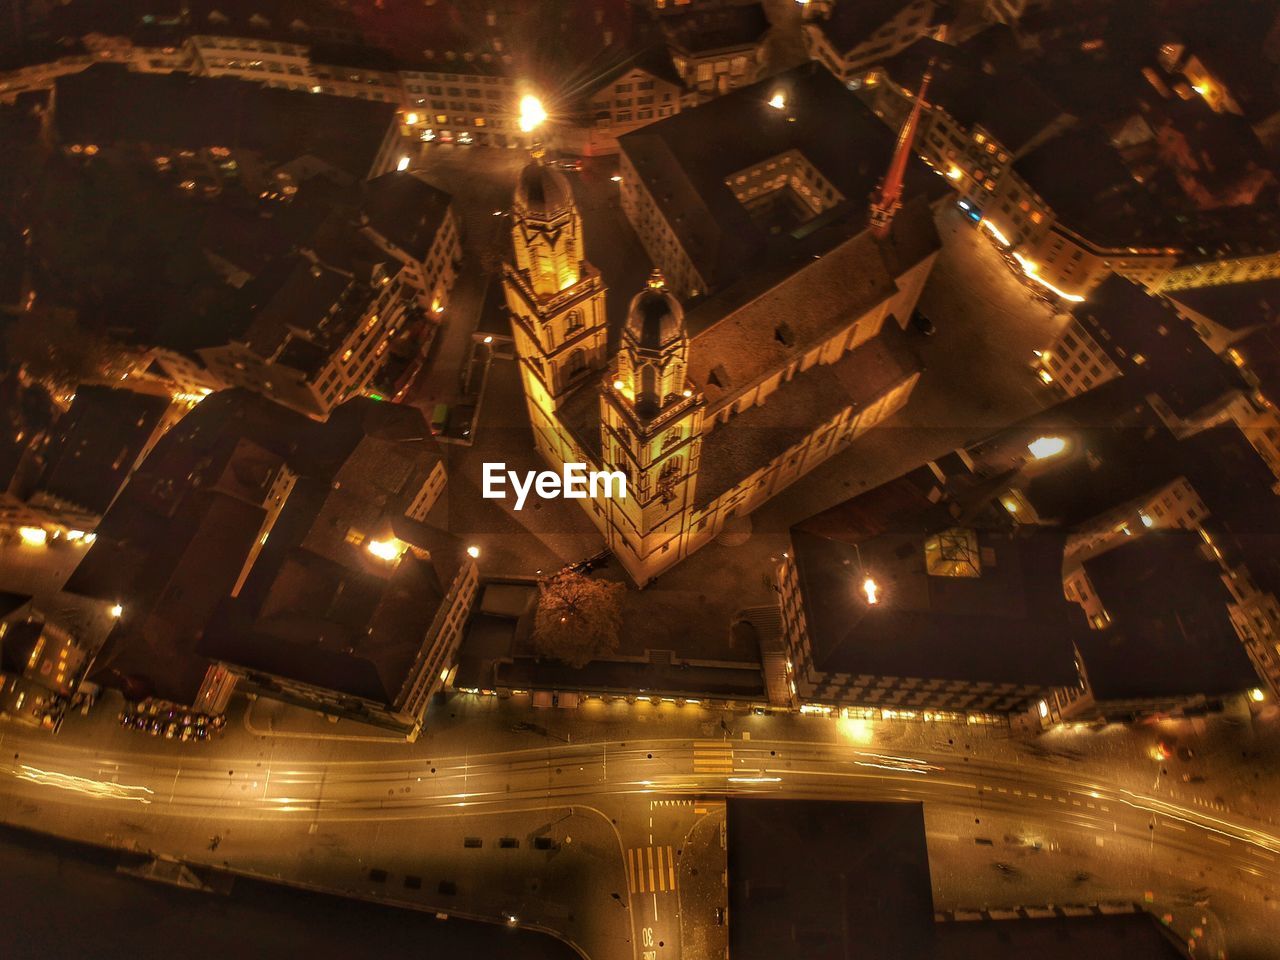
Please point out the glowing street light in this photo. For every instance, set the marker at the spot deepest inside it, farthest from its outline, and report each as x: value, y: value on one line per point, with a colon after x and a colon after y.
x: 117, y: 611
x: 403, y: 164
x: 33, y: 536
x: 1256, y: 695
x: 1043, y: 448
x: 384, y: 549
x: 954, y: 172
x: 872, y: 590
x: 532, y: 113
x: 778, y: 101
x: 473, y: 552
x: 411, y: 118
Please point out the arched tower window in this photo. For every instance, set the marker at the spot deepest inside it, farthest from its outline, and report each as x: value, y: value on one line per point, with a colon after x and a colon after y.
x: 576, y: 363
x: 573, y: 322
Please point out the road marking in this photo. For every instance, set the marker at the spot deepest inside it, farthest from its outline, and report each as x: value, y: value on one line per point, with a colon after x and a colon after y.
x: 1261, y: 853
x: 651, y: 869
x: 714, y: 756
x: 1001, y: 790
x: 1217, y: 839
x: 1173, y: 826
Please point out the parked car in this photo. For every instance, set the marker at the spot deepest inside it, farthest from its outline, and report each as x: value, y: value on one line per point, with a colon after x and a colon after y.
x: 922, y: 324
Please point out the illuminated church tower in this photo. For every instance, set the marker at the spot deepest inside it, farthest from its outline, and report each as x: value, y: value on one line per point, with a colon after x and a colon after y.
x: 651, y: 430
x: 556, y: 298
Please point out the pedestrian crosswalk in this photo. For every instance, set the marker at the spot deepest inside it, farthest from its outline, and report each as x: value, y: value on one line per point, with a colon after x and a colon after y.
x: 712, y: 756
x: 651, y: 869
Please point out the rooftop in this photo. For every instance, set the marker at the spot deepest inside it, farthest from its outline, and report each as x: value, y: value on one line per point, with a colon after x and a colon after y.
x: 1145, y: 337
x: 853, y: 24
x: 1090, y: 190
x: 108, y: 103
x: 716, y: 28
x: 1235, y: 306
x: 1010, y: 105
x: 822, y: 121
x: 406, y: 210
x: 1169, y: 632
x: 97, y: 443
x: 827, y: 880
x: 1137, y: 935
x: 734, y: 450
x: 1010, y: 624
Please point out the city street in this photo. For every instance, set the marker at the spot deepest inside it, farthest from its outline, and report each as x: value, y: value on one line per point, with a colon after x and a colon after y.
x: 618, y: 809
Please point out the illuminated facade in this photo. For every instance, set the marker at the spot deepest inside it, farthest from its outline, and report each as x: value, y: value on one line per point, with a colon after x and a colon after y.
x: 703, y: 429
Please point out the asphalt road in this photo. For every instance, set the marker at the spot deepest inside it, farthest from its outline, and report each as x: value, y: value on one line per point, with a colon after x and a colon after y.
x: 329, y: 821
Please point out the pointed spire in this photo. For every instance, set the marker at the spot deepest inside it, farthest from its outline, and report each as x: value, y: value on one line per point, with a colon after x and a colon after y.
x: 889, y: 197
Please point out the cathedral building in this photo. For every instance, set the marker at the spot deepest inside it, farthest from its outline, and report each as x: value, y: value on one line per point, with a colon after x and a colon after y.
x: 771, y: 333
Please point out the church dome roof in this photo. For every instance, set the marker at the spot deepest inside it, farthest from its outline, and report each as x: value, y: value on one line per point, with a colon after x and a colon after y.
x: 655, y: 317
x: 543, y: 191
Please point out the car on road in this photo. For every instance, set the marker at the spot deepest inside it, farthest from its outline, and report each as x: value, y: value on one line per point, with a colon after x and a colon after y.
x: 462, y: 420
x: 922, y: 324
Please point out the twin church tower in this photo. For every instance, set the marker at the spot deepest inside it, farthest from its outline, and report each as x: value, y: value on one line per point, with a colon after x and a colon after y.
x: 637, y: 412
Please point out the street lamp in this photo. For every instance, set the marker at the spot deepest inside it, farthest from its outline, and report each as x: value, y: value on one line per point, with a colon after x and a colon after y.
x: 473, y: 552
x: 532, y: 113
x: 1042, y: 448
x: 117, y: 611
x: 872, y: 590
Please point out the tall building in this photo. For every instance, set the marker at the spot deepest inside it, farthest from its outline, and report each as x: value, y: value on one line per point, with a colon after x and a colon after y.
x: 767, y: 339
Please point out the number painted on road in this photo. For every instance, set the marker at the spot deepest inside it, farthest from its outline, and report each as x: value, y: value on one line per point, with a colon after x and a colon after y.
x: 646, y: 936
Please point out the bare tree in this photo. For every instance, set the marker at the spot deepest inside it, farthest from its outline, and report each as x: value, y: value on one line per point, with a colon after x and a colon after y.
x: 578, y: 618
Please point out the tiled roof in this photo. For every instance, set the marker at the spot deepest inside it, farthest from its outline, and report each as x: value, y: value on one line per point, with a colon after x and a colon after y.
x: 1169, y: 632
x: 749, y: 440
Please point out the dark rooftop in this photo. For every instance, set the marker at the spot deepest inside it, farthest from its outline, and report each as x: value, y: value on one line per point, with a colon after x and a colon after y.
x: 406, y: 210
x: 828, y: 880
x: 1010, y: 105
x: 1091, y: 191
x: 1260, y: 354
x: 1145, y: 337
x: 1009, y: 623
x: 318, y: 607
x: 1111, y: 936
x: 99, y: 440
x: 823, y: 121
x: 1169, y: 632
x: 709, y: 29
x: 108, y: 103
x: 852, y: 24
x: 1235, y: 306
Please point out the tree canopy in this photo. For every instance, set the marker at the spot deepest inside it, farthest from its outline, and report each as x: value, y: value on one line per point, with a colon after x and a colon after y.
x: 578, y: 618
